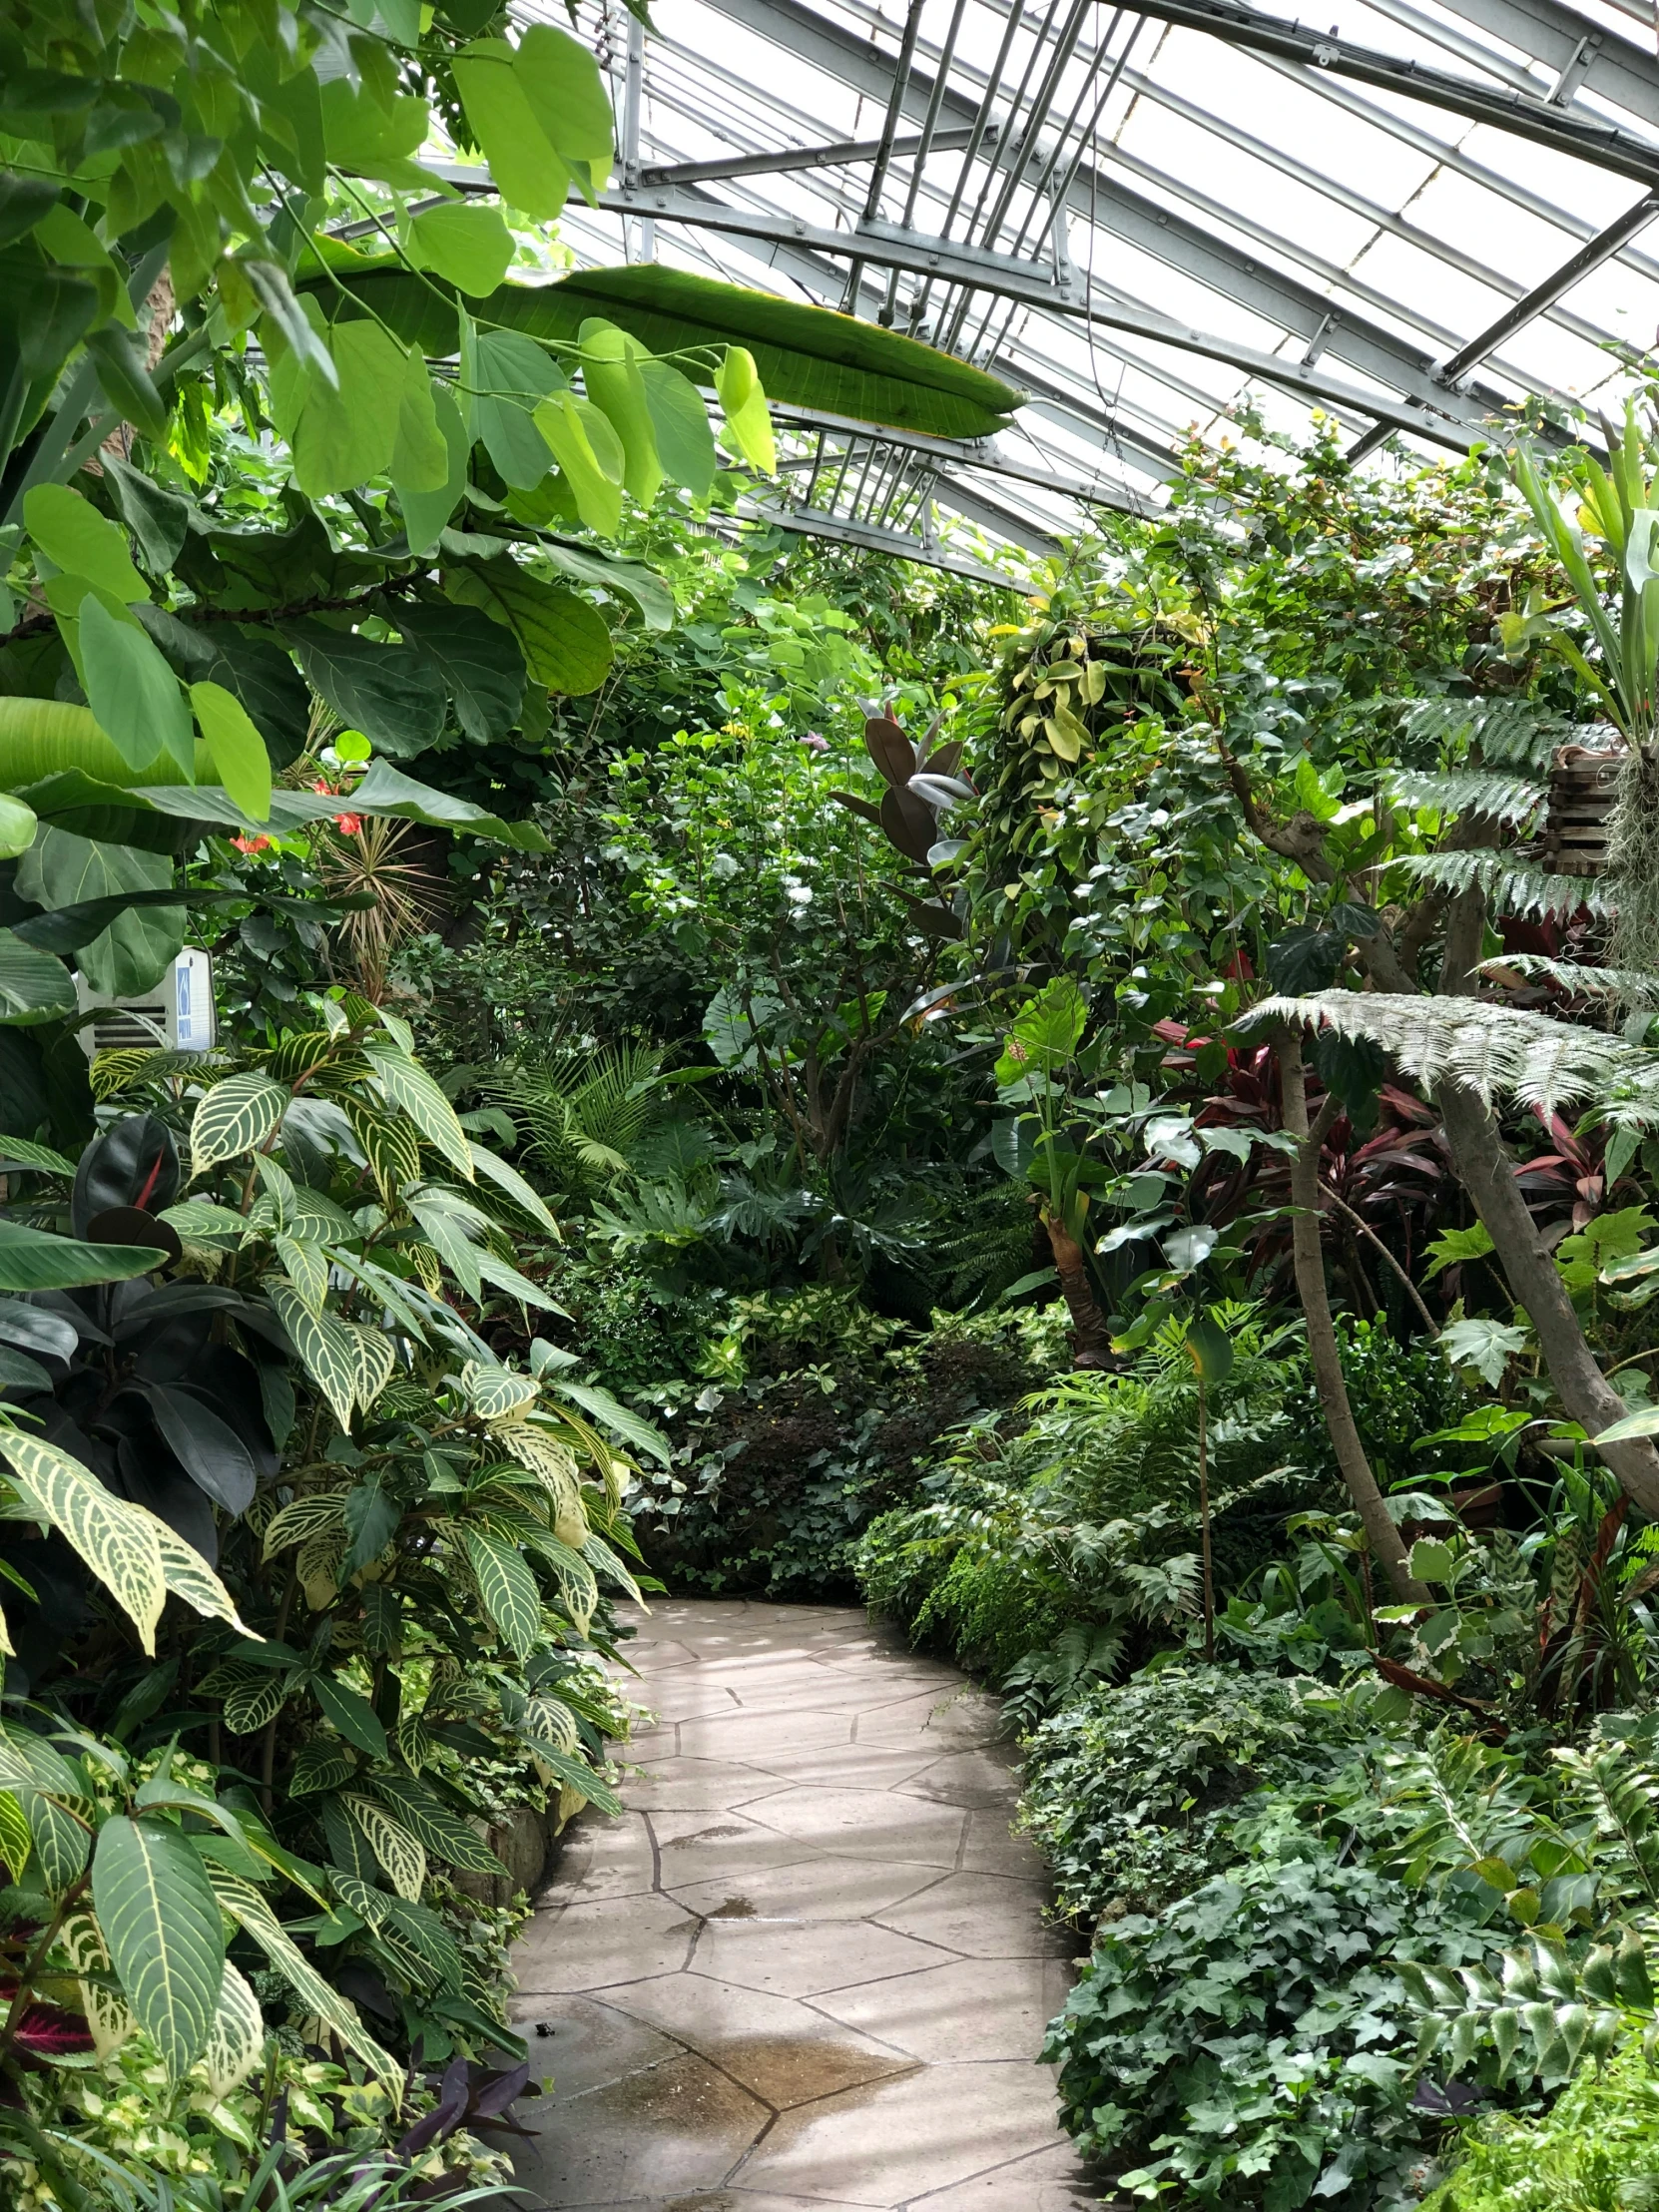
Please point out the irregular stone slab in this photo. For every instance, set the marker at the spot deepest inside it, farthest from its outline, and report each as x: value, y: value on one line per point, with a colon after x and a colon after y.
x: 808, y: 1969
x: 968, y: 2009
x: 867, y: 1824
x: 775, y: 2047
x: 897, y: 2140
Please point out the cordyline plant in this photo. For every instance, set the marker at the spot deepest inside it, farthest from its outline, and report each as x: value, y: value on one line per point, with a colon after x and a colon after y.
x: 411, y: 1542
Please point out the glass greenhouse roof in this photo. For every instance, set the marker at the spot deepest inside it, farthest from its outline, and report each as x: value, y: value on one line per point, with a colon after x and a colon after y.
x: 1407, y: 217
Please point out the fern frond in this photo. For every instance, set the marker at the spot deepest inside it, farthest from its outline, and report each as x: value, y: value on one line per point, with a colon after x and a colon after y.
x: 1630, y: 987
x: 1509, y: 732
x: 1506, y: 799
x: 1511, y: 886
x: 1490, y: 1049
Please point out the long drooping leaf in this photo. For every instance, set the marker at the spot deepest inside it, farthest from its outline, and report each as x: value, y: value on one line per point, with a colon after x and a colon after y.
x: 806, y: 357
x: 160, y: 1918
x: 245, y: 1906
x: 35, y: 1260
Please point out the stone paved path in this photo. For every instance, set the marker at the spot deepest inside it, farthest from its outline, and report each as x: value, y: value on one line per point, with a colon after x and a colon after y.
x: 806, y: 1971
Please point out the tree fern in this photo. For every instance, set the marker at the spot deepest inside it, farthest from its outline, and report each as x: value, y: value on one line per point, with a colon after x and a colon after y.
x: 1496, y: 1051
x: 1511, y: 886
x: 1511, y: 799
x: 1626, y: 987
x: 1504, y: 731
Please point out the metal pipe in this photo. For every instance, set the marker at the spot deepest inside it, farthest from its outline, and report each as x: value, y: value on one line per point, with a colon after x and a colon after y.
x: 1590, y: 255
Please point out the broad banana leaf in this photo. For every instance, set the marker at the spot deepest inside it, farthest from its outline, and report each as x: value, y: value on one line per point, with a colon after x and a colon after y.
x: 807, y: 356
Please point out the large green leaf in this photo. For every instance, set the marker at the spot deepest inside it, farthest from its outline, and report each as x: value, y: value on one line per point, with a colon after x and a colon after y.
x: 160, y: 1918
x: 35, y: 1260
x: 806, y: 357
x: 471, y: 245
x: 565, y: 641
x: 32, y: 985
x: 132, y: 955
x: 245, y: 1906
x: 133, y: 694
x: 504, y: 377
x: 479, y: 661
x: 237, y: 750
x: 390, y: 693
x: 426, y: 512
x: 78, y: 540
x: 43, y: 737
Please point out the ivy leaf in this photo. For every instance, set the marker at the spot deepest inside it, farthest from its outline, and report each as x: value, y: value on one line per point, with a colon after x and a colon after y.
x: 160, y: 1918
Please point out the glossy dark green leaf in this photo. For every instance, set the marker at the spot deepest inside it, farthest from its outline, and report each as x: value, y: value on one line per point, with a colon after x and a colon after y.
x: 209, y: 1452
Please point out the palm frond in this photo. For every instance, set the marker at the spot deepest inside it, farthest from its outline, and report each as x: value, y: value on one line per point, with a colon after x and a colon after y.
x: 1496, y: 1051
x: 1511, y: 886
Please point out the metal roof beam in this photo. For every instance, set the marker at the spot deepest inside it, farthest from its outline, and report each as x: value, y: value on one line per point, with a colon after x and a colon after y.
x: 1584, y: 53
x: 1603, y: 144
x: 1445, y: 417
x: 1299, y: 310
x: 1590, y: 255
x: 798, y: 157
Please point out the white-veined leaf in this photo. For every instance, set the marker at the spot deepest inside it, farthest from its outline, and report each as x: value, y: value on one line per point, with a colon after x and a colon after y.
x: 117, y: 1540
x: 402, y: 1857
x: 507, y: 1178
x: 245, y: 1906
x: 189, y: 1577
x: 160, y: 1918
x: 508, y: 1587
x: 306, y: 1269
x: 109, y: 2016
x: 372, y: 1358
x: 236, y: 2038
x: 233, y: 1117
x: 403, y: 1083
x: 302, y: 1517
x: 496, y: 1393
x: 325, y: 1346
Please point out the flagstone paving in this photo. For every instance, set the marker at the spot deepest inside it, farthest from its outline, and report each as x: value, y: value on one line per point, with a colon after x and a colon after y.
x: 806, y: 1970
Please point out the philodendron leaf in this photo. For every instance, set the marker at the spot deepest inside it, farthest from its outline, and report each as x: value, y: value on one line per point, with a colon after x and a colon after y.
x: 119, y: 1542
x: 160, y: 1918
x: 233, y: 1117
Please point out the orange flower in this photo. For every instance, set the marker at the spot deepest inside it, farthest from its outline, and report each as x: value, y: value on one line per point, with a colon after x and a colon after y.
x: 250, y: 845
x: 349, y: 824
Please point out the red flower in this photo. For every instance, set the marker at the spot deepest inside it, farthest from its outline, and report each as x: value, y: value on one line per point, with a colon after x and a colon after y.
x: 250, y: 845
x: 349, y: 824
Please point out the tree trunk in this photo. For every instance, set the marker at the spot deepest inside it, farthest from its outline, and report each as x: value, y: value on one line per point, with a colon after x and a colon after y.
x: 1384, y: 1537
x: 1488, y: 1173
x: 1091, y: 1340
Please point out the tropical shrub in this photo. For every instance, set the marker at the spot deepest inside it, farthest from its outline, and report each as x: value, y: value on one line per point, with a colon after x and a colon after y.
x: 1131, y: 1792
x: 1255, y: 2041
x: 412, y: 1542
